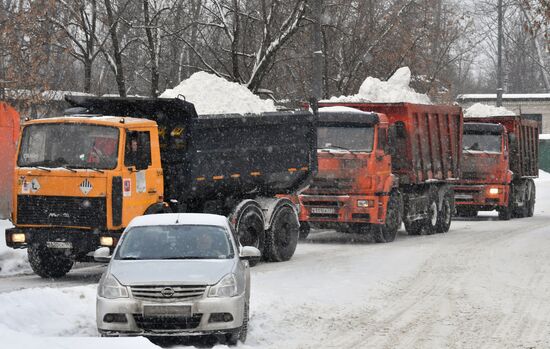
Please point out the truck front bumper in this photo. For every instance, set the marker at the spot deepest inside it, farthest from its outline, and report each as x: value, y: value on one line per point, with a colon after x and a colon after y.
x: 347, y: 209
x: 80, y: 241
x: 481, y: 196
x: 133, y: 322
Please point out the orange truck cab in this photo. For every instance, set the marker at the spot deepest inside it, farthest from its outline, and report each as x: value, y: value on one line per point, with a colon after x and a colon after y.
x: 499, y: 162
x: 9, y: 134
x: 383, y: 164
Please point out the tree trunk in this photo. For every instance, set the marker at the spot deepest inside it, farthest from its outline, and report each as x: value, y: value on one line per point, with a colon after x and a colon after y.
x: 117, y: 55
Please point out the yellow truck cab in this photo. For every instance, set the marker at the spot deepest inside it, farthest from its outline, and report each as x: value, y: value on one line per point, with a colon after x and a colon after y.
x: 79, y: 176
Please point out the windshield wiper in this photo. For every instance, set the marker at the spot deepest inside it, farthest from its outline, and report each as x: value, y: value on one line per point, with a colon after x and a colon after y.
x: 73, y: 167
x: 190, y: 257
x: 67, y: 167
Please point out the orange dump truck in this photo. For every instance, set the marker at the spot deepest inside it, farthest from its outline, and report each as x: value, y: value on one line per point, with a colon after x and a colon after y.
x: 383, y: 164
x: 9, y: 133
x: 500, y: 160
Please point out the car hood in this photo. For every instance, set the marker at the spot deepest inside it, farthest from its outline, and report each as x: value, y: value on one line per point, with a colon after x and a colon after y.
x: 171, y: 272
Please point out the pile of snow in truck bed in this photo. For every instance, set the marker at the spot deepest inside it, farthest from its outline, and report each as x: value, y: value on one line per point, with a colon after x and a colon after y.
x: 480, y: 110
x: 395, y: 90
x: 11, y: 261
x: 214, y: 95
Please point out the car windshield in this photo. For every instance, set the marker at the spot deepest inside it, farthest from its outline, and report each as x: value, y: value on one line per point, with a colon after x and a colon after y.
x: 175, y: 242
x: 70, y: 145
x: 482, y: 142
x: 347, y: 138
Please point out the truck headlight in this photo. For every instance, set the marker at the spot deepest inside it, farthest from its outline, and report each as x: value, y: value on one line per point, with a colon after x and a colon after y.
x: 107, y: 241
x: 109, y: 287
x: 18, y: 238
x: 227, y: 287
x: 365, y: 203
x: 494, y: 191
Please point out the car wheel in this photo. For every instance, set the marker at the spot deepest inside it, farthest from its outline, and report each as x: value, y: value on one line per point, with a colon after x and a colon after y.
x: 242, y: 333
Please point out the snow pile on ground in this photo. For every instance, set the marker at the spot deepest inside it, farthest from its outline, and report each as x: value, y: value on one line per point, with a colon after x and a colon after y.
x: 480, y: 110
x: 395, y: 90
x: 544, y: 136
x: 543, y: 176
x: 11, y: 261
x: 214, y: 95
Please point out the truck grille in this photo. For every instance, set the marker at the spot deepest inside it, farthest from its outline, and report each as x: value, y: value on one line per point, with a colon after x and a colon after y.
x: 475, y: 175
x: 176, y: 292
x: 331, y: 185
x: 167, y: 322
x: 61, y: 210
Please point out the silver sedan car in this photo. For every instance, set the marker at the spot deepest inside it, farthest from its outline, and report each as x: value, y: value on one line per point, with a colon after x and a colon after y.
x: 176, y: 275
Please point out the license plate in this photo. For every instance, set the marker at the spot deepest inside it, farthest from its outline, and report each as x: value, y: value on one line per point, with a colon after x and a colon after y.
x: 166, y: 310
x: 59, y: 244
x: 323, y: 210
x: 463, y: 196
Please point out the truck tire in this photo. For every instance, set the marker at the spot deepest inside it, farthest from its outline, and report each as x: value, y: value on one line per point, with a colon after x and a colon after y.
x: 48, y: 264
x: 304, y: 230
x: 430, y: 223
x: 444, y: 217
x: 504, y: 213
x: 532, y: 199
x: 414, y: 227
x: 249, y: 226
x: 282, y: 236
x: 388, y: 231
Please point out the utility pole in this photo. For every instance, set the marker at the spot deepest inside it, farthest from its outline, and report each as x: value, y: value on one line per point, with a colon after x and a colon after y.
x: 317, y: 71
x: 499, y: 67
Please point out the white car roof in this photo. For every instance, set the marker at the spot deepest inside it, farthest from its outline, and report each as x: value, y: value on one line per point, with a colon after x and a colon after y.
x: 179, y: 218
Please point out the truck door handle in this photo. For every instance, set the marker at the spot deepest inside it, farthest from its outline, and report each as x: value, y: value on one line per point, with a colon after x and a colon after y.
x: 152, y: 191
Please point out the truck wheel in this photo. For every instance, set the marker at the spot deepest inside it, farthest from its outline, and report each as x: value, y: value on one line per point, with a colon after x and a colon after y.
x: 282, y: 236
x: 304, y: 230
x: 47, y: 263
x: 430, y: 224
x: 249, y: 226
x: 532, y: 199
x: 444, y: 217
x: 504, y: 213
x: 414, y: 227
x: 388, y: 231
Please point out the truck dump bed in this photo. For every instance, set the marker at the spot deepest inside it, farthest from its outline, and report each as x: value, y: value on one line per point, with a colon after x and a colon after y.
x: 221, y: 156
x: 426, y: 140
x: 523, y: 134
x: 9, y: 133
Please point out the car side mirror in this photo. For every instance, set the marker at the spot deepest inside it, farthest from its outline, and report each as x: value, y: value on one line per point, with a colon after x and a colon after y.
x: 102, y: 255
x: 250, y: 253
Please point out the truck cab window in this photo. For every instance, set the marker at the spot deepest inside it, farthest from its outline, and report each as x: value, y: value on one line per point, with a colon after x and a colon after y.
x: 137, y: 150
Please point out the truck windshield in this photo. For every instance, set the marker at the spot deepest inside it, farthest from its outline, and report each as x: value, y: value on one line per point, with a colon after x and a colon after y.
x: 175, y: 242
x: 482, y: 142
x: 348, y: 138
x: 69, y: 145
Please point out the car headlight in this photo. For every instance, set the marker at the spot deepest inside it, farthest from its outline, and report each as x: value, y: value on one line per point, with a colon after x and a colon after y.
x: 227, y: 287
x: 109, y: 287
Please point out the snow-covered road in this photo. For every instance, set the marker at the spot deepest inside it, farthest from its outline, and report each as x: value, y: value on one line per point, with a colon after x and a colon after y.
x: 483, y: 284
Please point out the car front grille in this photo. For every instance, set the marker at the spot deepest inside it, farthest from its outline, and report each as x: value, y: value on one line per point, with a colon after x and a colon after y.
x: 61, y: 210
x: 167, y: 322
x: 175, y: 293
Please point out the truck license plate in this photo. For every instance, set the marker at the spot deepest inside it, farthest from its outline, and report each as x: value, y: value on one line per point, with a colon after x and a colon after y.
x: 59, y: 244
x: 463, y: 196
x: 166, y: 310
x: 323, y: 210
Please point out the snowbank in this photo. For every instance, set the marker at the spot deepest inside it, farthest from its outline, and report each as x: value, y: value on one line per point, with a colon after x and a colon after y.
x: 214, y: 95
x: 11, y: 261
x: 544, y: 136
x: 395, y: 90
x: 481, y: 110
x: 543, y: 176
